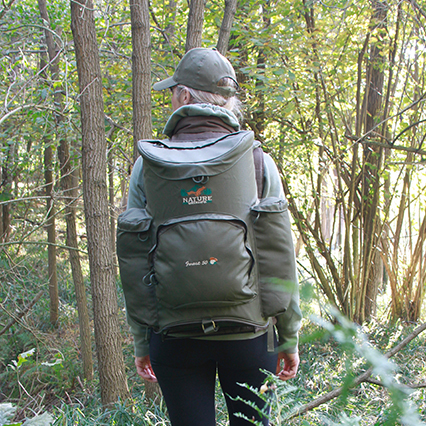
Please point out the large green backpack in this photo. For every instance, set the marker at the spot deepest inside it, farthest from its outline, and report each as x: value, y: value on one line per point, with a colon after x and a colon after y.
x: 204, y: 256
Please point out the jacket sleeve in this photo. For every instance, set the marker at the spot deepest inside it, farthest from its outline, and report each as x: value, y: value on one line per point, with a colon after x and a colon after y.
x: 288, y: 323
x: 136, y: 198
x: 141, y: 336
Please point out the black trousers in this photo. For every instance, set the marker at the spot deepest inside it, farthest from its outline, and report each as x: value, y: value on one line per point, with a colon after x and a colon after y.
x: 186, y: 371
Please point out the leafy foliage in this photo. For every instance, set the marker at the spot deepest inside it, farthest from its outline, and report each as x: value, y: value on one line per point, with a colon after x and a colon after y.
x: 303, y: 67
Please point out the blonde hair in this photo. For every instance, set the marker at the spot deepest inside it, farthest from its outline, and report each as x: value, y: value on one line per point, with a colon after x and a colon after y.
x: 231, y: 103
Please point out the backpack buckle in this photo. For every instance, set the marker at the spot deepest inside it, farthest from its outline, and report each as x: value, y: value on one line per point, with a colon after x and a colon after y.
x: 209, y: 326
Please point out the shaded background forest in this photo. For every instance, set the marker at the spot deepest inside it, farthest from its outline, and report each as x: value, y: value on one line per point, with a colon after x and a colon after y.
x: 335, y: 91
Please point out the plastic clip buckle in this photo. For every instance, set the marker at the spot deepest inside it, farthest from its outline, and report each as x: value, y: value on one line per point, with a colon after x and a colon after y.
x: 209, y: 326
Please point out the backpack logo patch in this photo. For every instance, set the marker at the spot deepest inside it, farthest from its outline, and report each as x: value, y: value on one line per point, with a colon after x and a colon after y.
x: 211, y: 261
x: 196, y: 195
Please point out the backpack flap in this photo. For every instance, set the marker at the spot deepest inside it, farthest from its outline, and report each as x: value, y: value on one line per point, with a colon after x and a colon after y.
x: 186, y: 178
x: 181, y: 160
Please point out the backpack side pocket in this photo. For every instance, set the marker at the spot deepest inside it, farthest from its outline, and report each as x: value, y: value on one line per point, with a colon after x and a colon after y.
x: 134, y: 241
x: 275, y: 255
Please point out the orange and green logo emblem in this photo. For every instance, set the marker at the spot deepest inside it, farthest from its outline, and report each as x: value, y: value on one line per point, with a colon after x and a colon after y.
x: 196, y: 195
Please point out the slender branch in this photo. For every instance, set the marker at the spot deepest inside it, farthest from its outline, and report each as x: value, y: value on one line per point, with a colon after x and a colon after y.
x: 411, y: 386
x: 398, y: 114
x: 363, y: 377
x: 158, y: 27
x: 390, y: 146
x: 6, y: 7
x: 19, y: 315
x: 61, y: 246
x: 39, y: 108
x: 416, y: 6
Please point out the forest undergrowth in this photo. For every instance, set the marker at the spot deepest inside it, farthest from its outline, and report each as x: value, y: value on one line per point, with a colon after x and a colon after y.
x: 41, y: 374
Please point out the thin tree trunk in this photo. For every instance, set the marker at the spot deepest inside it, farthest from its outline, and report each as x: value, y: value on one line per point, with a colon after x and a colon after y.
x: 258, y: 120
x: 225, y: 28
x: 111, y: 198
x: 7, y: 189
x: 105, y: 307
x: 141, y: 77
x: 194, y: 30
x: 70, y: 192
x: 170, y: 29
x: 372, y: 265
x: 1, y: 210
x: 141, y: 72
x: 50, y: 220
x: 51, y: 234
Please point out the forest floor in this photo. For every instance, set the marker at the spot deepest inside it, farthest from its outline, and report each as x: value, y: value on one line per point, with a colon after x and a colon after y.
x: 46, y: 380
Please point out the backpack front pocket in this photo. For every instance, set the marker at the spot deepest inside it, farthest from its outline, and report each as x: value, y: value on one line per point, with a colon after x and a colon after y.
x: 203, y: 261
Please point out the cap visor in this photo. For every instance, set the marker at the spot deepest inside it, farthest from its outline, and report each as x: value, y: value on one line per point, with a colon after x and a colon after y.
x: 164, y: 84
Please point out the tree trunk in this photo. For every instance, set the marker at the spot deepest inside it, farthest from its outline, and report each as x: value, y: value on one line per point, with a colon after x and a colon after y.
x: 70, y: 192
x: 51, y: 234
x: 170, y: 29
x: 50, y: 220
x: 1, y: 207
x: 225, y: 28
x: 6, y: 184
x: 111, y: 198
x: 194, y: 29
x: 105, y: 308
x: 372, y: 159
x: 141, y: 77
x: 258, y: 117
x: 141, y: 72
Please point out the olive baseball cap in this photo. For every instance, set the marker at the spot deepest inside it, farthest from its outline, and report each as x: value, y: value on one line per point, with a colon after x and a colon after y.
x: 201, y: 69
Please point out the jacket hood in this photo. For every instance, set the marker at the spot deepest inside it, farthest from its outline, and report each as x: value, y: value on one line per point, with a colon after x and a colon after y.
x: 201, y: 110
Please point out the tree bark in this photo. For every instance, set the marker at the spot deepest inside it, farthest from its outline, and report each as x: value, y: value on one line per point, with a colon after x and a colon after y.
x: 105, y: 307
x: 70, y: 192
x: 141, y: 78
x: 51, y: 234
x: 111, y: 198
x: 258, y: 116
x: 372, y: 160
x: 141, y: 72
x: 194, y: 30
x: 6, y: 183
x: 225, y: 28
x: 50, y: 218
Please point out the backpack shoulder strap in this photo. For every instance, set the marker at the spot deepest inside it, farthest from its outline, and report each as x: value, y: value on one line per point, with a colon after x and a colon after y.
x: 259, y: 169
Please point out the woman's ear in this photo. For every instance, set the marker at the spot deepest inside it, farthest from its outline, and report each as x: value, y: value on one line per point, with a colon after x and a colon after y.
x: 185, y: 97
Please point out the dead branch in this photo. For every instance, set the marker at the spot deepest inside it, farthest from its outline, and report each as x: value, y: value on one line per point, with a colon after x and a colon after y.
x: 363, y: 377
x: 408, y: 385
x: 19, y: 315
